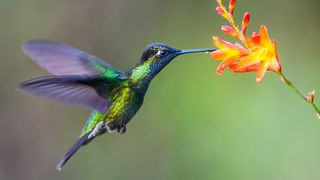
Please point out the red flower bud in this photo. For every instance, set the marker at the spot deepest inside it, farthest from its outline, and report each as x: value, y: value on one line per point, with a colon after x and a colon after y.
x: 245, y: 22
x: 255, y: 37
x: 231, y: 6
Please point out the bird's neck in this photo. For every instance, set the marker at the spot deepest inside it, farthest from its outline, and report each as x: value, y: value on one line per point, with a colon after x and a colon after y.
x: 141, y: 75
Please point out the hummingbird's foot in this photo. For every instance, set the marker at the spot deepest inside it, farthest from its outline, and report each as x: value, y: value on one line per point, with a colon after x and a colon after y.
x: 108, y: 128
x: 122, y: 130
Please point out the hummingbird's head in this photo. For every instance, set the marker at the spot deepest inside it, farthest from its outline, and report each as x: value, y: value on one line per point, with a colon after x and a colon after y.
x: 155, y: 57
x: 160, y: 55
x: 157, y: 52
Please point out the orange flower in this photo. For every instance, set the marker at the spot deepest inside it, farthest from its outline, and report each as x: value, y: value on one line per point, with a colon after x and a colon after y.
x: 262, y: 57
x: 227, y: 52
x: 259, y: 53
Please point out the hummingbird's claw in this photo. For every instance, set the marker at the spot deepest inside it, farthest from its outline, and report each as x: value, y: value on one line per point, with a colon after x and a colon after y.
x: 122, y: 130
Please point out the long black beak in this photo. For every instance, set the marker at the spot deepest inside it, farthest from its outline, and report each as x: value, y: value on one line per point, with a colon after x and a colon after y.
x: 187, y: 51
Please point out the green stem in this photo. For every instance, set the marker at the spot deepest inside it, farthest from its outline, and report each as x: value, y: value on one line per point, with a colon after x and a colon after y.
x: 296, y: 90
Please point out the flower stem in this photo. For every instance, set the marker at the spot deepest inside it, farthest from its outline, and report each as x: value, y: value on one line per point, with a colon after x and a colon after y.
x: 296, y: 90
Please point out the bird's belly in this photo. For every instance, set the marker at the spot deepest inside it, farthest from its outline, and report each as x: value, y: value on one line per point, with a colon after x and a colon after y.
x: 123, y: 109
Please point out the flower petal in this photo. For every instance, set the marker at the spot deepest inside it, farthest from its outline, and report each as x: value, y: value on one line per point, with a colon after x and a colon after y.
x: 251, y: 68
x: 253, y: 58
x: 262, y: 70
x: 222, y: 66
x: 219, y: 43
x: 264, y: 37
x: 224, y: 54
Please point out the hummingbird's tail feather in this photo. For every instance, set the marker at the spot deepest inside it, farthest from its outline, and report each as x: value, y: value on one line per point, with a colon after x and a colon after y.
x: 81, y: 141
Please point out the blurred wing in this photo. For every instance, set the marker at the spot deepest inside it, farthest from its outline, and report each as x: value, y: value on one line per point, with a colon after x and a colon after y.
x: 67, y: 89
x: 61, y: 59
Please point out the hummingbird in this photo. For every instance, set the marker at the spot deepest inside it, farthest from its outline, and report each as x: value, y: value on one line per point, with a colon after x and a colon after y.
x: 82, y: 79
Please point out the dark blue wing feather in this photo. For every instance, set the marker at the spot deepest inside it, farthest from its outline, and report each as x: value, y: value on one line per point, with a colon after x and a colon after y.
x: 61, y: 59
x: 71, y: 67
x: 67, y: 89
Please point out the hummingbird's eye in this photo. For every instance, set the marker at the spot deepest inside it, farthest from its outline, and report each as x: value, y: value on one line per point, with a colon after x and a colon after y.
x: 161, y: 53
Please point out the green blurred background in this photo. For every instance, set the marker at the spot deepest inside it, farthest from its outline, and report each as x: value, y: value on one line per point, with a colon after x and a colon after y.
x: 194, y: 124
